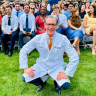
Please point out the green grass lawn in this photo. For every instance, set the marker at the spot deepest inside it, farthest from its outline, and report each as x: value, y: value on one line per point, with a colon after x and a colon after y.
x: 82, y: 84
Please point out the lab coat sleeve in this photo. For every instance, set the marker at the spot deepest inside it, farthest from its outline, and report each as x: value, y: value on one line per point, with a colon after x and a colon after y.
x: 26, y: 49
x: 73, y: 58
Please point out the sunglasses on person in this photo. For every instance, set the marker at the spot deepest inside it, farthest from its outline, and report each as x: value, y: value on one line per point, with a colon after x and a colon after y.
x: 11, y: 4
x: 33, y: 8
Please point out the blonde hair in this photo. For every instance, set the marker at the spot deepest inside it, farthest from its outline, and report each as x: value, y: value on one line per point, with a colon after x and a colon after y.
x: 56, y: 6
x: 34, y: 7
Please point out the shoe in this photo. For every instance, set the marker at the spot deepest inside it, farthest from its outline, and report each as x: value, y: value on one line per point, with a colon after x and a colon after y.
x: 93, y: 52
x: 10, y: 54
x: 6, y: 52
x: 58, y: 91
x: 40, y: 87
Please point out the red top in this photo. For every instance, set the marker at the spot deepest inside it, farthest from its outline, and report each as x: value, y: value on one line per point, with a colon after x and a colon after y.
x: 41, y: 24
x: 0, y: 19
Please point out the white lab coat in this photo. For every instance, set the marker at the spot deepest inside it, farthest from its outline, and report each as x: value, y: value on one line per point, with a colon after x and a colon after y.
x: 50, y: 62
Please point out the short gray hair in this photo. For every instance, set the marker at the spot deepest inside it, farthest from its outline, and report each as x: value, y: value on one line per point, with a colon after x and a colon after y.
x: 52, y: 18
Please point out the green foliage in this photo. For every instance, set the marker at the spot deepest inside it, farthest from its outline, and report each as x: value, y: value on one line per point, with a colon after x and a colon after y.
x: 82, y: 84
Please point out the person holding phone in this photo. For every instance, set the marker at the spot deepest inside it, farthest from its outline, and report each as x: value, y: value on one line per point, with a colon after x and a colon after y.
x: 27, y: 25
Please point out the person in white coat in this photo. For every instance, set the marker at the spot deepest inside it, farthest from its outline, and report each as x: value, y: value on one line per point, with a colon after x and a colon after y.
x: 50, y: 63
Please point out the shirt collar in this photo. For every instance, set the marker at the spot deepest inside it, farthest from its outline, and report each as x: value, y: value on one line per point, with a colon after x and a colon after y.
x: 11, y: 15
x: 25, y: 14
x: 51, y: 37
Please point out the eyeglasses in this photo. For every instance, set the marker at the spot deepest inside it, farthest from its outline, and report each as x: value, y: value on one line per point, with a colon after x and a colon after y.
x: 70, y: 6
x: 11, y: 4
x: 33, y: 8
x: 50, y: 24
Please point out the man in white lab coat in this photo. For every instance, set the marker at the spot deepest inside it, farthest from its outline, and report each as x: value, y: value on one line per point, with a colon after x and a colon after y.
x: 50, y: 63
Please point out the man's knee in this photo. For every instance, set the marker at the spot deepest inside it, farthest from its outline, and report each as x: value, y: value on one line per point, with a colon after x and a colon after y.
x: 65, y: 85
x: 3, y: 35
x: 21, y: 34
x: 23, y: 78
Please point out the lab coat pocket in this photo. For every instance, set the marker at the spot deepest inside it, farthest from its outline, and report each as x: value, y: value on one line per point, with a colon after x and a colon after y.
x: 41, y: 47
x: 58, y: 48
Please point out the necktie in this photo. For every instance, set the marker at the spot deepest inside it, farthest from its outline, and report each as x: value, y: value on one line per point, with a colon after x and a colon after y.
x: 26, y: 22
x: 50, y: 43
x: 17, y: 13
x: 9, y: 21
x: 58, y: 19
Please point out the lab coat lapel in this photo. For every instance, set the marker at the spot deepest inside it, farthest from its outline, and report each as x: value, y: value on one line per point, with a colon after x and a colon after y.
x: 44, y: 41
x: 55, y: 42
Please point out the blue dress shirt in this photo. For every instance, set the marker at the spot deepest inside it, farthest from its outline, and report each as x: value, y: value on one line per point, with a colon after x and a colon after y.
x: 67, y: 13
x: 19, y: 14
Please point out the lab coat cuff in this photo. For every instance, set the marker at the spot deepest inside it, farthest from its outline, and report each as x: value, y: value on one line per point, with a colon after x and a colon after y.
x: 68, y: 74
x: 23, y: 66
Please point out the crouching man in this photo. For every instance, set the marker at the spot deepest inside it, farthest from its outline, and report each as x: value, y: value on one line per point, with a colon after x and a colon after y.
x: 51, y: 46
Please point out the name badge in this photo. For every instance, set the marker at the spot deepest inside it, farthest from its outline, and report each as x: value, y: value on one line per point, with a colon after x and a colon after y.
x: 8, y: 29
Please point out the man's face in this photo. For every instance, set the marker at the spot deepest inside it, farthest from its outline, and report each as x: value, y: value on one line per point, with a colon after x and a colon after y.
x: 43, y: 4
x: 17, y: 7
x: 65, y: 8
x: 70, y: 7
x: 8, y: 11
x: 11, y: 4
x: 51, y: 26
x: 26, y: 9
x: 56, y: 11
x: 21, y: 7
x: 32, y: 4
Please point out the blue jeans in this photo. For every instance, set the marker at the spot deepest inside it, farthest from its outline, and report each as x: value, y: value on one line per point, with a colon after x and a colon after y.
x: 4, y: 40
x: 21, y: 35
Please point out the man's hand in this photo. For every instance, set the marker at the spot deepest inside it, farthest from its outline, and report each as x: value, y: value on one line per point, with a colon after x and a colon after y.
x: 29, y: 72
x: 10, y: 32
x: 4, y: 32
x: 24, y: 32
x: 30, y: 33
x: 63, y: 26
x: 62, y: 75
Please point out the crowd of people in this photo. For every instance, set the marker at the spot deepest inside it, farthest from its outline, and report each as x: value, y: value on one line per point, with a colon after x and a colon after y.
x: 26, y: 18
x: 50, y: 25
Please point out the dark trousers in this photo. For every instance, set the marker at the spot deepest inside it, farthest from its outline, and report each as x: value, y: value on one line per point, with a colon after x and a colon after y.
x: 62, y: 30
x: 4, y: 40
x: 0, y: 31
x: 38, y: 81
x: 21, y: 35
